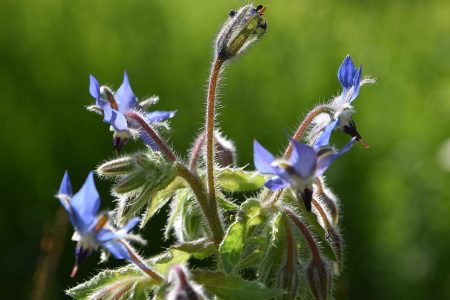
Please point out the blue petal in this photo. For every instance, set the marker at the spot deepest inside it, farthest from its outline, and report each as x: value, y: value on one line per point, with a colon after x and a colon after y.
x: 66, y: 187
x: 105, y: 235
x: 125, y: 97
x: 356, y: 84
x: 346, y: 73
x: 303, y: 159
x: 324, y: 138
x: 159, y: 116
x: 276, y: 183
x: 130, y: 225
x: 94, y: 88
x: 325, y: 161
x: 148, y: 140
x: 85, y: 205
x: 117, y: 249
x: 115, y: 118
x: 262, y: 159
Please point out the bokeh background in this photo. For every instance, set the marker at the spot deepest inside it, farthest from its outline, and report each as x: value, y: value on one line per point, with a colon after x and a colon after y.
x: 395, y: 195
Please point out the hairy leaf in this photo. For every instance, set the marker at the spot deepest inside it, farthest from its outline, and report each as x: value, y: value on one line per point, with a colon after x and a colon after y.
x: 237, y: 180
x: 129, y: 281
x: 232, y: 245
x: 233, y: 287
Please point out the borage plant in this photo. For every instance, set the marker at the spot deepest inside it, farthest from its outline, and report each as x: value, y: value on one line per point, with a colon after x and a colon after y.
x: 283, y: 243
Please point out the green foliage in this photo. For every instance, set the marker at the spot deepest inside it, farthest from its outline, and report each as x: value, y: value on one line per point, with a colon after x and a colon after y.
x: 128, y: 281
x: 233, y: 287
x: 238, y: 180
x: 232, y: 246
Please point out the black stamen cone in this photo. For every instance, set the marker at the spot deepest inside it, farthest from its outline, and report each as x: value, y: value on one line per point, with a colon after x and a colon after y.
x: 307, y: 197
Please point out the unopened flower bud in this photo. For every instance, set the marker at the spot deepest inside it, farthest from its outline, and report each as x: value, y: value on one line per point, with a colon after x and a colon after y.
x: 117, y: 167
x: 225, y: 150
x: 182, y: 288
x: 319, y: 278
x: 288, y: 279
x: 241, y: 29
x: 130, y: 183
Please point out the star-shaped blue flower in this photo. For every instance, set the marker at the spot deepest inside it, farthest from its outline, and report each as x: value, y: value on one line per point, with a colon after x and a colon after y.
x: 301, y: 170
x: 114, y: 107
x: 92, y: 230
x: 350, y: 78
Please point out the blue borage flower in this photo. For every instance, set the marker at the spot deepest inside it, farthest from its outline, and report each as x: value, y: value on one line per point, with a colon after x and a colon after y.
x: 302, y: 169
x: 92, y: 230
x: 114, y: 107
x: 342, y: 110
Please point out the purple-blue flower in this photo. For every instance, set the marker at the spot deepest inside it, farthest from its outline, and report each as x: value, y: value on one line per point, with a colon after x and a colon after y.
x: 350, y: 78
x: 92, y: 229
x: 301, y: 170
x: 114, y: 107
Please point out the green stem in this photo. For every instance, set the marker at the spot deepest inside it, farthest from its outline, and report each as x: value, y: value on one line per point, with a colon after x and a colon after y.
x: 211, y: 215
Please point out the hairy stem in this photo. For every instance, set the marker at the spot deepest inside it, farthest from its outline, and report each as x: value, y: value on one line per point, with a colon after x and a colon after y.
x: 210, y: 116
x: 140, y: 263
x: 305, y: 232
x: 196, y: 151
x: 304, y: 125
x: 329, y: 203
x: 165, y: 149
x: 322, y: 214
x: 290, y: 247
x: 211, y: 215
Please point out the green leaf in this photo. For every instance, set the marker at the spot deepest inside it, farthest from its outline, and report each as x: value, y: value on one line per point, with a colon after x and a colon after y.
x: 161, y: 198
x: 252, y: 211
x: 233, y: 287
x: 127, y: 281
x: 225, y: 203
x: 237, y: 180
x: 274, y: 251
x: 191, y: 217
x: 162, y: 263
x: 200, y: 249
x: 232, y: 245
x: 110, y: 283
x: 176, y: 208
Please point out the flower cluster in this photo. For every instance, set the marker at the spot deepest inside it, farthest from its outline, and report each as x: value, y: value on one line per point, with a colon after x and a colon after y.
x: 281, y: 233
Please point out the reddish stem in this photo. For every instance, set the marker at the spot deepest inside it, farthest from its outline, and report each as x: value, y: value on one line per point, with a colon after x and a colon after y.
x: 165, y: 149
x: 196, y: 151
x: 304, y: 125
x: 210, y: 116
x: 305, y: 232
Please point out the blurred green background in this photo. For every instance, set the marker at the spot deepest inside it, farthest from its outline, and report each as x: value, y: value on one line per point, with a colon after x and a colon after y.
x: 395, y: 195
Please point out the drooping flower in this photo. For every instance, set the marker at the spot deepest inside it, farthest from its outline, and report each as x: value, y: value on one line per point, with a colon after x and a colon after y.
x: 92, y: 229
x: 342, y: 110
x: 114, y: 107
x: 302, y: 169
